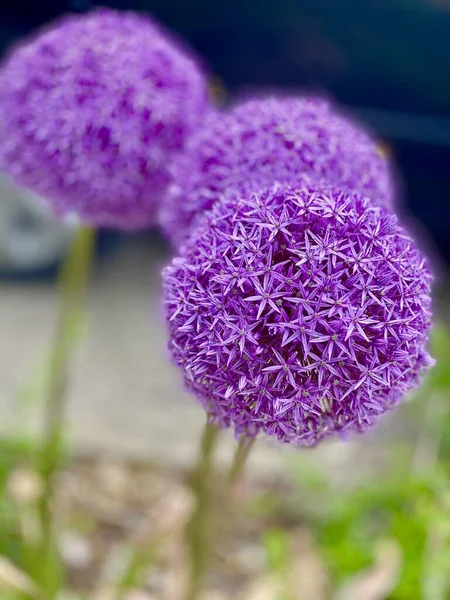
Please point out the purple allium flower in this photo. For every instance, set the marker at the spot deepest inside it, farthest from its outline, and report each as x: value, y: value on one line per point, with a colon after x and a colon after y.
x: 298, y: 312
x: 269, y: 140
x: 93, y: 110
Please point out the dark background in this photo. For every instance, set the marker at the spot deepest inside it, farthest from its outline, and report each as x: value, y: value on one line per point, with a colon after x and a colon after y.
x: 387, y: 60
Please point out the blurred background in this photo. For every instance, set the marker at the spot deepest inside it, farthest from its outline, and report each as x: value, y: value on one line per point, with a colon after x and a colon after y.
x: 388, y: 61
x: 364, y: 520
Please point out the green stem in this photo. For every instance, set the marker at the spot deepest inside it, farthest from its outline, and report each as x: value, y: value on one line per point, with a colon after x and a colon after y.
x: 72, y: 284
x: 239, y: 461
x: 135, y: 570
x: 198, y: 527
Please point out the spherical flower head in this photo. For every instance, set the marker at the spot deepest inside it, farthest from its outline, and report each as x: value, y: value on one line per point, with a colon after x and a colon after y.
x: 298, y: 312
x: 92, y: 112
x: 269, y: 140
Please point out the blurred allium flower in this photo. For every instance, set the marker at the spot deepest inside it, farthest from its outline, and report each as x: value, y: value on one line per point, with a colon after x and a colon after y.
x: 298, y: 312
x: 93, y: 110
x: 269, y: 140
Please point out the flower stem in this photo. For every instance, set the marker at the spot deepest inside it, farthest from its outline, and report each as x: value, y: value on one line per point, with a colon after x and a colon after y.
x: 239, y: 461
x: 72, y: 284
x: 198, y: 527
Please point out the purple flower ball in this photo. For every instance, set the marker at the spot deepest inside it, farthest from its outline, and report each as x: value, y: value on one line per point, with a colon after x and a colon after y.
x: 92, y: 112
x: 298, y: 312
x: 269, y: 140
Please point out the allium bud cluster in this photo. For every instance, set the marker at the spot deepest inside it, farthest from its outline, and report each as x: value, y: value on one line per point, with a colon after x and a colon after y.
x: 298, y: 312
x: 265, y: 140
x: 93, y: 111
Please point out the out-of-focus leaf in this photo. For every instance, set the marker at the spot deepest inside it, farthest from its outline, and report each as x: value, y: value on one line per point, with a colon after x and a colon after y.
x: 13, y: 579
x: 436, y: 571
x: 439, y: 376
x: 276, y: 542
x: 307, y: 575
x: 377, y: 582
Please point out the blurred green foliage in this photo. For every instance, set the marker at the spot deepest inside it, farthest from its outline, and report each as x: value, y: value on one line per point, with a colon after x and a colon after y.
x: 12, y: 453
x: 277, y: 544
x: 409, y: 503
x: 407, y: 509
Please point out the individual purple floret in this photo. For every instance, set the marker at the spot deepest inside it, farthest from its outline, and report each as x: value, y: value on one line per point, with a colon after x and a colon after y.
x: 269, y: 140
x: 298, y: 312
x: 92, y: 112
